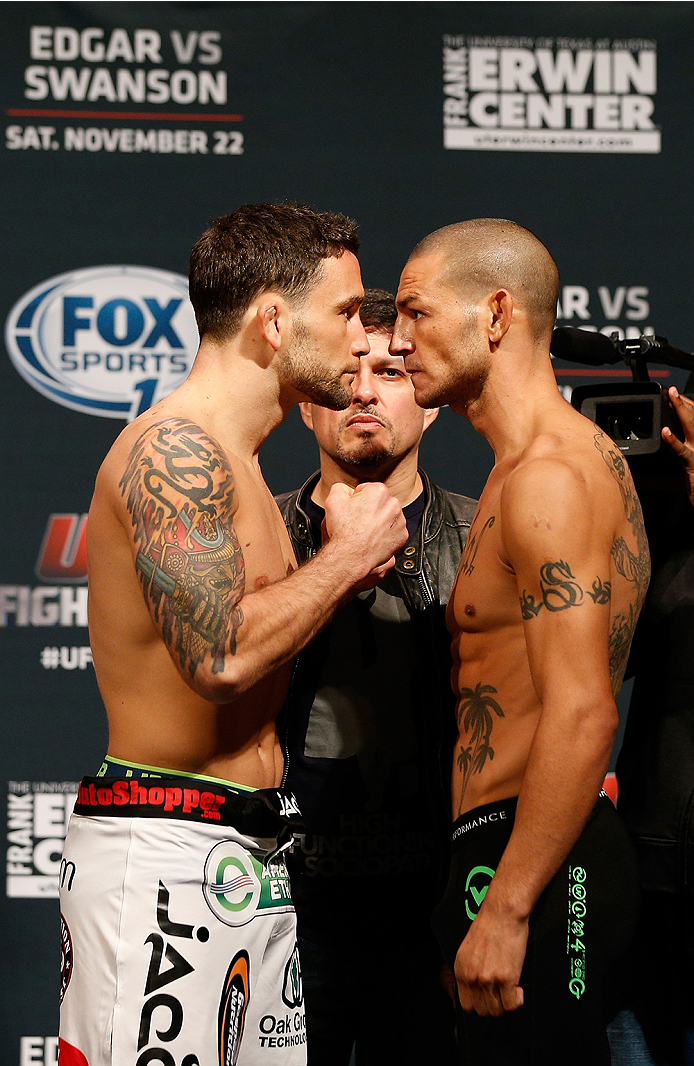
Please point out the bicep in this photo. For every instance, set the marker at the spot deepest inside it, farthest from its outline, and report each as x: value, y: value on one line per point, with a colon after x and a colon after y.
x: 568, y: 645
x: 178, y: 490
x: 559, y: 549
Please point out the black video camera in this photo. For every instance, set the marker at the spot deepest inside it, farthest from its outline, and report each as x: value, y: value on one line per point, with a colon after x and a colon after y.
x: 631, y: 413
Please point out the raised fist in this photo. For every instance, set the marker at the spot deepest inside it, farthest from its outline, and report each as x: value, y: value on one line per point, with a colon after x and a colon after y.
x: 368, y: 524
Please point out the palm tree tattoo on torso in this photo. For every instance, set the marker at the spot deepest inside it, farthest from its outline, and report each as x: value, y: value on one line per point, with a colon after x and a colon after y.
x: 474, y: 714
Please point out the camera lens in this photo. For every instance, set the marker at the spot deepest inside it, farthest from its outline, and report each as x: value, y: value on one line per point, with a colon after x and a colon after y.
x: 625, y: 420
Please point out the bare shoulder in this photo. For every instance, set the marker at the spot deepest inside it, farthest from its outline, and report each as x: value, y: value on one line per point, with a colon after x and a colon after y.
x: 174, y: 494
x: 179, y: 454
x: 584, y: 465
x: 547, y: 479
x: 165, y: 463
x: 568, y: 489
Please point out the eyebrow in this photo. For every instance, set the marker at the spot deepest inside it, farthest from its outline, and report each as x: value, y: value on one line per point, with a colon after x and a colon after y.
x: 395, y: 361
x: 407, y: 300
x: 350, y: 301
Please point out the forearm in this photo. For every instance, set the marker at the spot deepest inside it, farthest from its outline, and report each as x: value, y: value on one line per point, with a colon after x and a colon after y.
x: 278, y: 621
x: 565, y: 770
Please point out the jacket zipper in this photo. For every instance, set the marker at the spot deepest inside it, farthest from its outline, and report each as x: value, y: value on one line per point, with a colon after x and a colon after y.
x: 285, y: 743
x: 426, y: 592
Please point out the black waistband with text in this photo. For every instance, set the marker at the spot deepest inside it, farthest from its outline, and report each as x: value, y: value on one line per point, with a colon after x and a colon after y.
x: 495, y: 816
x: 265, y: 812
x: 489, y: 815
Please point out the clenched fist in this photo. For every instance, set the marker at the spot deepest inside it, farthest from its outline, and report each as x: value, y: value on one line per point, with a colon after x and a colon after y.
x: 366, y: 523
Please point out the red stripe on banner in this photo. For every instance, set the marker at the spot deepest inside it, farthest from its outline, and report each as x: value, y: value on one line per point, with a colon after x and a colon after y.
x: 158, y: 116
x: 598, y: 373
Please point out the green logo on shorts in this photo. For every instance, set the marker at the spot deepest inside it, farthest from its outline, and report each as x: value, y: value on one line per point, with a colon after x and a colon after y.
x: 231, y: 885
x: 576, y: 935
x: 238, y: 884
x: 233, y: 878
x: 478, y: 881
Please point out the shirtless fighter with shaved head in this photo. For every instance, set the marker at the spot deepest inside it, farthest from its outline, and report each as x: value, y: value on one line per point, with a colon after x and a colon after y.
x: 541, y: 897
x: 179, y: 942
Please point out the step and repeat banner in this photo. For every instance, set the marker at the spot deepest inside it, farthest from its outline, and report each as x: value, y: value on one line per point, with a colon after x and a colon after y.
x: 127, y: 129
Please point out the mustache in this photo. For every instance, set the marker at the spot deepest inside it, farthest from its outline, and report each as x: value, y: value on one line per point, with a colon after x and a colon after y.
x: 365, y: 409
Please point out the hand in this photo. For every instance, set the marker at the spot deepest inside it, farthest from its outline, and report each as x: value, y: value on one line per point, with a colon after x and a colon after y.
x: 374, y: 577
x: 368, y: 523
x: 489, y: 963
x: 684, y: 408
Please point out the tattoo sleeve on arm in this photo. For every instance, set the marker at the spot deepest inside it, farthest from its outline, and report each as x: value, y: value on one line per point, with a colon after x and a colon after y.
x: 530, y: 608
x: 601, y: 591
x: 634, y: 566
x: 559, y: 587
x: 179, y: 491
x: 561, y: 590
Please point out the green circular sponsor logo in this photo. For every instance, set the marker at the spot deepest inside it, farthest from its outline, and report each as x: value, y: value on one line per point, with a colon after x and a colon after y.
x: 478, y: 881
x: 239, y: 877
x: 231, y: 886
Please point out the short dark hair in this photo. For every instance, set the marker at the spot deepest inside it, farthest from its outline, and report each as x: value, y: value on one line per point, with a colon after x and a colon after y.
x: 256, y: 248
x: 378, y: 311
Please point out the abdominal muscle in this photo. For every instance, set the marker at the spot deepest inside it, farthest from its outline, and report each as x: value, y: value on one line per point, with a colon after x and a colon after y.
x: 156, y: 720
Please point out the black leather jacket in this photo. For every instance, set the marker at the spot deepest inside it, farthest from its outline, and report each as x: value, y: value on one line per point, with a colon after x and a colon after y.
x: 426, y: 569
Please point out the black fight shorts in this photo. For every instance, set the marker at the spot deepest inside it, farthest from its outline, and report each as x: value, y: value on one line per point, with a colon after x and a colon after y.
x: 580, y: 931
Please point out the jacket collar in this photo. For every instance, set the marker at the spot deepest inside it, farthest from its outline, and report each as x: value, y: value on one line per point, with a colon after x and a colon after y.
x: 301, y: 527
x: 408, y: 562
x: 410, y: 559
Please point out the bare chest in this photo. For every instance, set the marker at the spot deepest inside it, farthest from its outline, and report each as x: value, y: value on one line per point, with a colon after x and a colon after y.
x: 484, y: 596
x: 261, y: 533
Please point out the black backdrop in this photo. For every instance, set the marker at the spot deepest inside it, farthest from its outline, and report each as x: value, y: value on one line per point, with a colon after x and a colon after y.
x: 129, y: 127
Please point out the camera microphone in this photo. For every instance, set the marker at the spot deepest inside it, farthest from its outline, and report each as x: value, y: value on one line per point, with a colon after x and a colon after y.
x: 596, y: 349
x: 583, y: 346
x: 660, y: 351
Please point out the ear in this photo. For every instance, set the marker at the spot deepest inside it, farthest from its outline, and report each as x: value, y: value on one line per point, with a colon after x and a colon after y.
x: 272, y: 319
x: 430, y: 415
x: 499, y: 314
x: 306, y: 410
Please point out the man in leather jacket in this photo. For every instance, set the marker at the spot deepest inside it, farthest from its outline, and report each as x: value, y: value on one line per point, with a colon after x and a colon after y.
x: 368, y: 732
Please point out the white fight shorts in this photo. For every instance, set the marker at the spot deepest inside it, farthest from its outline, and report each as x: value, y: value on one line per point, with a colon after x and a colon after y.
x: 178, y: 929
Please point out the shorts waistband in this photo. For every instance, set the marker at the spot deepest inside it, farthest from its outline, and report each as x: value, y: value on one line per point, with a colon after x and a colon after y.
x: 495, y: 815
x: 264, y: 812
x: 492, y: 815
x: 112, y: 767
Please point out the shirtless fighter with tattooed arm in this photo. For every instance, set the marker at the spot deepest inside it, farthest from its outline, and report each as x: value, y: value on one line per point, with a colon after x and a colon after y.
x: 541, y: 897
x: 178, y: 909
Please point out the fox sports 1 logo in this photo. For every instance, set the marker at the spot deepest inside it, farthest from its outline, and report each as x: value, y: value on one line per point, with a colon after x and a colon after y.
x: 110, y: 340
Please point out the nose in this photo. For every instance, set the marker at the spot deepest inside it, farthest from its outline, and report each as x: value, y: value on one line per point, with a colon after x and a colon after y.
x: 401, y: 343
x: 360, y: 341
x: 364, y: 390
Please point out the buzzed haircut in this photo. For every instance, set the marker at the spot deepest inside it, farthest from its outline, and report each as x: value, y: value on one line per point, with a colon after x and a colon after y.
x: 378, y: 311
x: 488, y: 253
x: 260, y: 247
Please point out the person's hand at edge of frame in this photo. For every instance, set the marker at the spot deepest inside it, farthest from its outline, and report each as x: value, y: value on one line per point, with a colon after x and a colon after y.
x: 684, y: 409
